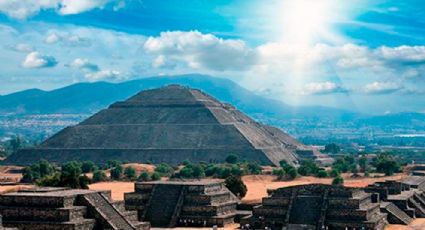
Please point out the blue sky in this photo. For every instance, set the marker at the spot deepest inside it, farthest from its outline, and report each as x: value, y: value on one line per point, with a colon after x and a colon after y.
x: 367, y: 56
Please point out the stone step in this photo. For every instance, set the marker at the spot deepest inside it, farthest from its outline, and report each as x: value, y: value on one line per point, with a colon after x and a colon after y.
x: 42, y: 214
x: 396, y: 215
x: 86, y: 224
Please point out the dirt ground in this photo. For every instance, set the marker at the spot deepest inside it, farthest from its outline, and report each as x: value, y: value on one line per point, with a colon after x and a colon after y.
x: 10, y: 173
x: 117, y: 188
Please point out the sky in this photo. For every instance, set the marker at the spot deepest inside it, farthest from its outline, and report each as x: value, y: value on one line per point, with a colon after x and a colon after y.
x: 365, y: 56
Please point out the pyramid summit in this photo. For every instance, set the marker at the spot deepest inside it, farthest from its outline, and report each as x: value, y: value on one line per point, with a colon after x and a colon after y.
x: 169, y: 124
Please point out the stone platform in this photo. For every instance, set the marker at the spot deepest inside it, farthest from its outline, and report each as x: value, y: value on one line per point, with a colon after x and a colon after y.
x: 69, y: 209
x: 183, y: 203
x: 316, y: 206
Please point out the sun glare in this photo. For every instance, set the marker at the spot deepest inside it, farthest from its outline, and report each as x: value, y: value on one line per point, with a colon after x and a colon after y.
x: 305, y: 21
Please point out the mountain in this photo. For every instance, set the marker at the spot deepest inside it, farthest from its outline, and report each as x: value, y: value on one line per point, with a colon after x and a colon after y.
x: 90, y: 97
x: 19, y: 109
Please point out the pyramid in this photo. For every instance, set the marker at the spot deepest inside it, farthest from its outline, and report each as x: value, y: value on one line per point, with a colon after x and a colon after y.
x: 169, y: 124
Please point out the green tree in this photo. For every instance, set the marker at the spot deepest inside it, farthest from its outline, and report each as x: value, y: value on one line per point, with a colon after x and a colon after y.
x: 363, y: 163
x: 144, y: 176
x: 280, y: 173
x: 211, y: 170
x: 155, y: 176
x: 334, y: 173
x: 232, y: 159
x: 186, y: 172
x: 53, y: 180
x: 164, y: 169
x: 308, y: 167
x: 236, y: 186
x: 321, y: 173
x: 338, y: 181
x: 88, y: 166
x: 385, y: 163
x: 130, y: 173
x: 198, y: 171
x: 254, y: 168
x: 70, y: 175
x: 332, y: 148
x: 99, y: 176
x: 292, y: 173
x: 112, y: 163
x: 116, y: 172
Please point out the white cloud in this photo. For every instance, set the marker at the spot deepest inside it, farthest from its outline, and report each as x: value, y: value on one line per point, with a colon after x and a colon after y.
x: 105, y: 75
x: 22, y: 9
x: 37, y: 60
x: 52, y: 38
x: 84, y: 65
x: 20, y: 47
x: 382, y: 88
x: 316, y: 88
x: 67, y: 39
x: 201, y: 51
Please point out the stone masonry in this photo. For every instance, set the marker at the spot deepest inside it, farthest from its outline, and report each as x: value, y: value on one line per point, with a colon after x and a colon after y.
x: 316, y: 206
x: 183, y: 203
x: 66, y: 209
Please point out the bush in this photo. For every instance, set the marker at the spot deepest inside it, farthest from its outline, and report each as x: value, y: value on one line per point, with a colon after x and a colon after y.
x: 88, y: 166
x: 98, y: 176
x: 198, y: 171
x: 53, y: 180
x: 254, y: 168
x: 322, y: 173
x: 385, y: 163
x: 37, y: 171
x: 334, y: 173
x: 338, y: 181
x: 307, y: 168
x: 116, y: 172
x: 130, y: 173
x: 280, y: 173
x: 164, y: 169
x: 70, y: 175
x: 223, y: 172
x: 144, y: 176
x: 155, y: 176
x: 292, y: 173
x: 112, y: 164
x: 236, y: 186
x: 211, y: 170
x: 232, y: 159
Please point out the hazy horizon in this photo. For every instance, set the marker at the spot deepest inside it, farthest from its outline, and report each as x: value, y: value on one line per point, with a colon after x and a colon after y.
x: 365, y: 56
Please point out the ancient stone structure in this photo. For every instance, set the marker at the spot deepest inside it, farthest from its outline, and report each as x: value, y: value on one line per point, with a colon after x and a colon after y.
x: 316, y: 206
x: 178, y: 203
x: 169, y: 124
x: 403, y: 200
x: 68, y: 209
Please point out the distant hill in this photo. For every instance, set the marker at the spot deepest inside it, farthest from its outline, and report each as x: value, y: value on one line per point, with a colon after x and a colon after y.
x: 88, y: 98
x: 91, y: 97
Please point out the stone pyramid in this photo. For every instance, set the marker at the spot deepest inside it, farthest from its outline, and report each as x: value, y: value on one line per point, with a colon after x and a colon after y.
x: 169, y: 124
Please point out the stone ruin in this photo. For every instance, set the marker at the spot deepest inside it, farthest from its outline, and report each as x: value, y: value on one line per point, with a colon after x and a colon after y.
x: 316, y: 206
x: 401, y: 200
x: 66, y: 209
x: 183, y: 203
x: 169, y: 124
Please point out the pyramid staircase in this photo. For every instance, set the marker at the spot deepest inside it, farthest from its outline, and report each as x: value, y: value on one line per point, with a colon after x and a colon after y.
x: 395, y: 215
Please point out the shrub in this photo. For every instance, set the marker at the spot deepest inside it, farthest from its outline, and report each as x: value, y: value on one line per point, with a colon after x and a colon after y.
x: 280, y: 173
x: 236, y: 186
x: 292, y: 173
x: 112, y: 163
x: 164, y: 169
x: 198, y: 171
x: 322, y: 173
x: 254, y: 168
x: 116, y: 172
x: 130, y: 173
x: 88, y: 166
x: 334, y: 173
x: 70, y: 175
x: 98, y: 176
x: 338, y: 181
x: 307, y: 168
x: 155, y: 176
x: 144, y: 176
x: 232, y: 159
x: 211, y: 170
x: 385, y: 163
